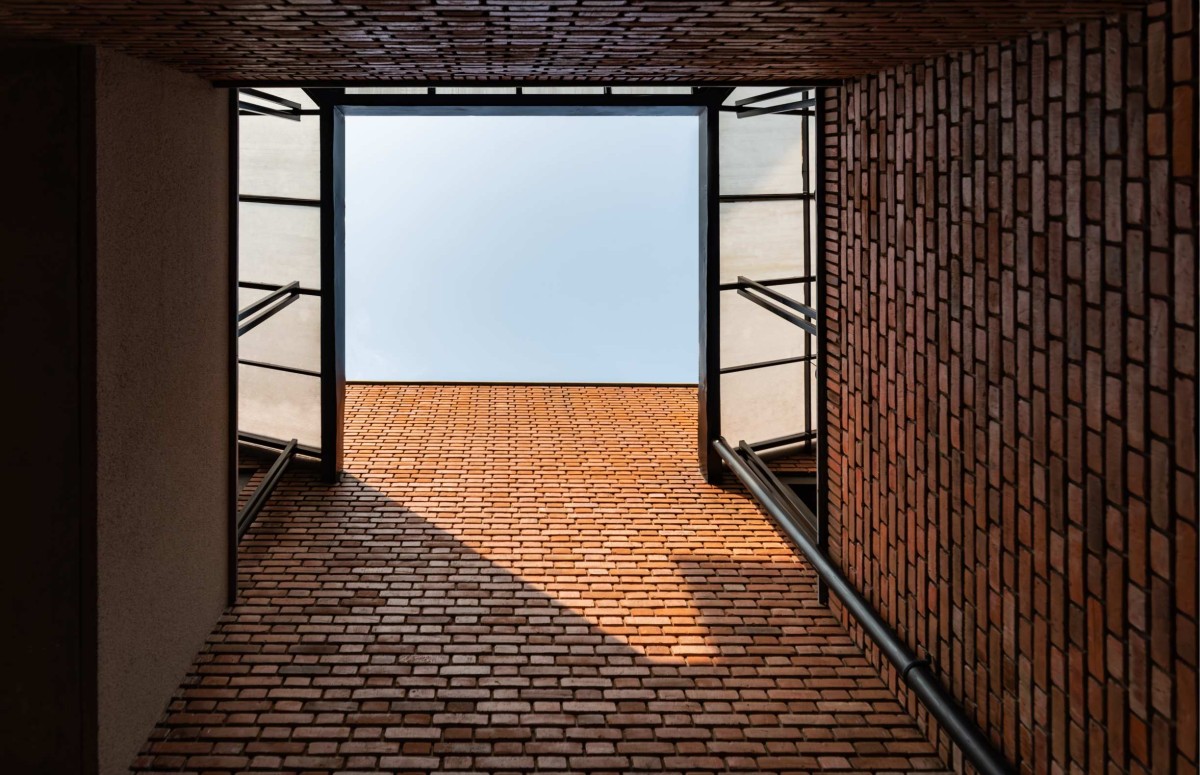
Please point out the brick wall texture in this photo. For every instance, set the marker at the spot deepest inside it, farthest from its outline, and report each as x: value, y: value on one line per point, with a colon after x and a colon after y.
x: 574, y: 40
x: 518, y: 578
x: 1011, y: 301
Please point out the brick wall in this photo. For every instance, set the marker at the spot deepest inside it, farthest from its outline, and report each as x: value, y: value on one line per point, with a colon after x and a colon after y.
x: 1012, y: 361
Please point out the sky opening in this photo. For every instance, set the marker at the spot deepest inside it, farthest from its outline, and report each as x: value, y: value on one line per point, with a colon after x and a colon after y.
x: 522, y: 248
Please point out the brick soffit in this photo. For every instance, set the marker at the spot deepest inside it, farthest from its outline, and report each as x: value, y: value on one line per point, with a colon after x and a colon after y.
x: 330, y: 42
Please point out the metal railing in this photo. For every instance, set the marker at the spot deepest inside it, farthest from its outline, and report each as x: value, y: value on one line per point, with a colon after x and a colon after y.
x: 917, y: 673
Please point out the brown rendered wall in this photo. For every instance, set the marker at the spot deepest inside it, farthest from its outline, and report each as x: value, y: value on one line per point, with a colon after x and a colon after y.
x: 162, y: 387
x: 1011, y: 292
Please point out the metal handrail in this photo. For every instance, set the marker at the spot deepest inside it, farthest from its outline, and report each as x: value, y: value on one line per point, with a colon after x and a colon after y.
x: 915, y: 672
x: 259, y: 497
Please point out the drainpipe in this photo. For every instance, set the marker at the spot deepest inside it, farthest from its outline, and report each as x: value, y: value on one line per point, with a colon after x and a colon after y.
x: 913, y: 671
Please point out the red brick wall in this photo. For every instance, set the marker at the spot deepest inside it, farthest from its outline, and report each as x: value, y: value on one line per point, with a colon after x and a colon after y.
x: 1011, y: 294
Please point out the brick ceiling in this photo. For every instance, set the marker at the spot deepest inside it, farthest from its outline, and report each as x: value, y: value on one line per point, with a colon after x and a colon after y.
x: 328, y: 41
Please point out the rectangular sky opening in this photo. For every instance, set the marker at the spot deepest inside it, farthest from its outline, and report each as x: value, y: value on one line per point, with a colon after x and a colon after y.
x: 522, y: 248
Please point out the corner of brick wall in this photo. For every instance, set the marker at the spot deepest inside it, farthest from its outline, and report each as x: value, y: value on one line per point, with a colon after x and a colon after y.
x: 1011, y: 287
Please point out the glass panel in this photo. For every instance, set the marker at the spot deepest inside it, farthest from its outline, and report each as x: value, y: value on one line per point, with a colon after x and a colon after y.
x: 765, y: 403
x: 475, y: 90
x: 387, y: 90
x: 762, y: 240
x: 750, y: 334
x: 280, y: 157
x: 761, y: 155
x: 279, y: 243
x: 652, y: 90
x: 279, y: 404
x: 562, y: 90
x: 292, y: 337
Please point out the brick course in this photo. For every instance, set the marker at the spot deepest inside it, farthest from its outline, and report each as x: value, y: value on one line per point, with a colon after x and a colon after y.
x: 1011, y: 278
x: 588, y: 40
x: 526, y: 577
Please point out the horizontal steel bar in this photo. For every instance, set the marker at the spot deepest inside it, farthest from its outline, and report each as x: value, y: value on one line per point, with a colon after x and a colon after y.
x: 270, y: 442
x: 262, y: 95
x: 806, y: 103
x: 783, y: 313
x: 769, y: 95
x: 266, y: 315
x: 272, y: 286
x: 262, y: 493
x: 783, y: 441
x: 279, y: 200
x: 728, y: 198
x: 767, y: 364
x: 279, y: 367
x: 262, y: 110
x: 776, y: 281
x: 786, y: 301
x: 258, y: 304
x: 913, y: 671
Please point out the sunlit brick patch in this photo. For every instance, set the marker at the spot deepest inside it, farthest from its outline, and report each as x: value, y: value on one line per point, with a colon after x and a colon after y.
x: 518, y: 578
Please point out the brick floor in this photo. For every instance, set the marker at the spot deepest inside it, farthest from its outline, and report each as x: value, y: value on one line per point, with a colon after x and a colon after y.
x: 516, y: 578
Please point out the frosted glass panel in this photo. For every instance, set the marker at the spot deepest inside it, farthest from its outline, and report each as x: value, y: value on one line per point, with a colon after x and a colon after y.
x: 279, y: 243
x: 750, y: 334
x: 387, y: 90
x: 763, y: 240
x: 765, y: 403
x: 652, y: 90
x: 280, y: 157
x: 279, y: 404
x: 292, y: 337
x: 562, y: 90
x: 762, y: 155
x: 475, y: 90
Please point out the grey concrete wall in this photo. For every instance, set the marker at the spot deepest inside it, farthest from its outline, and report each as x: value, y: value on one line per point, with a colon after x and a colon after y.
x: 161, y: 387
x: 46, y: 702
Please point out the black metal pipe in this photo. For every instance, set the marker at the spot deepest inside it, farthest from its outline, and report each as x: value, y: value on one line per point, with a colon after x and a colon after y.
x: 270, y: 442
x: 783, y: 313
x: 787, y: 301
x: 769, y: 95
x: 913, y: 671
x: 263, y: 492
x: 783, y: 441
x: 258, y: 304
x: 767, y: 364
x: 266, y: 315
x: 301, y: 290
x: 808, y: 103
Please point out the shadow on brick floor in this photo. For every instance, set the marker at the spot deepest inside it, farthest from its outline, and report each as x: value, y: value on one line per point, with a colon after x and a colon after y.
x: 369, y: 636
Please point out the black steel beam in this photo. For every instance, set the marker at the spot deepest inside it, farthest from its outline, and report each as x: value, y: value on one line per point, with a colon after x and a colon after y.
x: 266, y: 315
x: 231, y: 263
x: 279, y: 367
x: 262, y: 95
x: 783, y: 441
x: 767, y: 364
x: 783, y: 313
x: 751, y: 113
x: 333, y: 293
x: 270, y: 298
x: 302, y: 291
x: 279, y: 200
x: 262, y: 493
x: 822, y: 346
x: 769, y: 95
x: 709, y: 388
x: 270, y: 442
x: 263, y: 110
x: 777, y: 281
x: 786, y: 301
x: 915, y: 672
x: 765, y: 197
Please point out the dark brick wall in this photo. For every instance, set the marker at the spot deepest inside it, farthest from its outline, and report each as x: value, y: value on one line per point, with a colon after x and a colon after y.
x: 1011, y: 295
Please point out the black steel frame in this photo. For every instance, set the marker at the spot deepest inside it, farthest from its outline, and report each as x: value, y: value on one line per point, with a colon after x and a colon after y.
x: 335, y: 104
x: 262, y: 493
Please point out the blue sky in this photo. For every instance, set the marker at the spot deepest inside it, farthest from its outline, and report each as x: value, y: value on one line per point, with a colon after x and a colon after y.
x: 503, y: 248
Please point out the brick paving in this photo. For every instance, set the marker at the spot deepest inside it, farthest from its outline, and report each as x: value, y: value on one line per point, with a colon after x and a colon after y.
x: 518, y: 578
